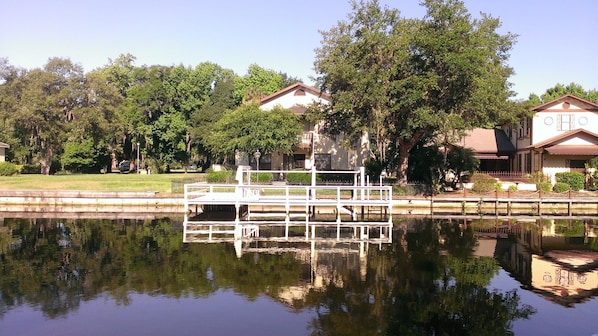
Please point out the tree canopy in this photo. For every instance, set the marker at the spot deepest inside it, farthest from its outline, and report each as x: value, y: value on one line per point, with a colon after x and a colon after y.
x: 406, y: 79
x: 559, y: 90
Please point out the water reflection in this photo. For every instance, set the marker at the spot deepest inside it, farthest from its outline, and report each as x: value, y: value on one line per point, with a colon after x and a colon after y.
x: 434, y: 277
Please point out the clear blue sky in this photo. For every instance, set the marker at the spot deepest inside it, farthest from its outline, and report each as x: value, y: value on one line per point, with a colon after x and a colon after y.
x: 557, y: 39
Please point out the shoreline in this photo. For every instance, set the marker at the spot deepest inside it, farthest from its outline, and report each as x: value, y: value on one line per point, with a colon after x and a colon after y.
x: 136, y: 203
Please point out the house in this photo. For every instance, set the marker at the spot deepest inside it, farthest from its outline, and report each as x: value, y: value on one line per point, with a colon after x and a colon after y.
x: 491, y: 146
x: 3, y: 148
x: 561, y: 136
x: 313, y: 148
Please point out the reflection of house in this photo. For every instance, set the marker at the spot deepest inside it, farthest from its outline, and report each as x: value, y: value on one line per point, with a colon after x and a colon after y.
x: 327, y: 152
x: 560, y: 137
x: 3, y: 148
x: 566, y: 277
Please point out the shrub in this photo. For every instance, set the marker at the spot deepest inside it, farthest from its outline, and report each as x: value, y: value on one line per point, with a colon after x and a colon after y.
x: 8, y: 169
x: 544, y: 186
x: 300, y: 178
x: 513, y: 188
x: 574, y: 179
x: 561, y: 187
x: 483, y: 186
x: 223, y: 176
x: 262, y: 177
x: 481, y: 177
x: 31, y: 169
x: 537, y: 177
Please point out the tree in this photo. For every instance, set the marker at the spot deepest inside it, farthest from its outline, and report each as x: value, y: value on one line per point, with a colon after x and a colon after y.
x: 407, y: 79
x: 560, y: 90
x: 248, y: 128
x: 258, y: 83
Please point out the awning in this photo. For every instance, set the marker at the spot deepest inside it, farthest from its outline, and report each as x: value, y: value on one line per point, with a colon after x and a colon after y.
x: 572, y: 150
x: 491, y: 157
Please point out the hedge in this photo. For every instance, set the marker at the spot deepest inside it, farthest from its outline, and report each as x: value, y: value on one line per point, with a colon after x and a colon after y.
x: 561, y: 187
x: 8, y: 169
x: 574, y: 179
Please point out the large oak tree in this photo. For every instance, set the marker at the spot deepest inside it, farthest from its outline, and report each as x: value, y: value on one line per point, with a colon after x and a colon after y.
x: 404, y: 79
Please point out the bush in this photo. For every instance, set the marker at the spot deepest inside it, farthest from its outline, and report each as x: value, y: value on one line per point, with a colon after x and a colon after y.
x: 31, y: 169
x: 8, y: 169
x: 537, y: 177
x: 481, y: 177
x: 302, y: 178
x: 574, y: 179
x: 262, y: 177
x: 513, y: 188
x: 544, y: 186
x: 483, y: 186
x: 223, y: 176
x: 561, y: 187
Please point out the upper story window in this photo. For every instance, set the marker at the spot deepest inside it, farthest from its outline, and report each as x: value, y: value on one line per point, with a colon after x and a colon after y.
x: 565, y: 122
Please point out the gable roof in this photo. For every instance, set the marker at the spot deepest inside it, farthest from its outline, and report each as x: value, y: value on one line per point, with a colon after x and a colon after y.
x: 553, y: 145
x: 487, y: 141
x: 559, y: 138
x: 567, y: 98
x: 4, y: 145
x: 297, y: 87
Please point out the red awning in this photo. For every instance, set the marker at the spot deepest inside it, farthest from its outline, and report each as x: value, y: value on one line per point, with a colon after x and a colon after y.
x: 573, y: 150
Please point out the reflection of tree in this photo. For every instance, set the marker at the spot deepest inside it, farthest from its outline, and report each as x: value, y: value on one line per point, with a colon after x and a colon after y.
x: 417, y: 291
x: 60, y: 263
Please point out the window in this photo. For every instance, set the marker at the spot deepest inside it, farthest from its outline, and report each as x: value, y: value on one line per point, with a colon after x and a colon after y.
x: 577, y: 163
x: 565, y: 122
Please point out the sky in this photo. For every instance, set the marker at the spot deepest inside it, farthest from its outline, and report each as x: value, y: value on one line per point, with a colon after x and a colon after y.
x: 557, y: 40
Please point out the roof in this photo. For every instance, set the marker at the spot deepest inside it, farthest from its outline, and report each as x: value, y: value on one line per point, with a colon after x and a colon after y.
x: 572, y: 150
x: 4, y: 145
x: 568, y: 97
x: 295, y: 87
x: 487, y: 141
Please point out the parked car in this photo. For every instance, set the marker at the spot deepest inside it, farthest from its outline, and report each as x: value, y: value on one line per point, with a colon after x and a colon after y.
x: 124, y: 166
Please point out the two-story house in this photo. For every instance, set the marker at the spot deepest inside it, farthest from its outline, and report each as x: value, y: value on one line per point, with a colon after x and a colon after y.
x: 314, y: 148
x: 561, y: 136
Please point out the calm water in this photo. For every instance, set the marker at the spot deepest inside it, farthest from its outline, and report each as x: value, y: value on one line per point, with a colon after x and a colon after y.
x: 436, y: 277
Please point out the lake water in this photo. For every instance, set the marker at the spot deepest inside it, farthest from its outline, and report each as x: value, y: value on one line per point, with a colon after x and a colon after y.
x: 435, y: 277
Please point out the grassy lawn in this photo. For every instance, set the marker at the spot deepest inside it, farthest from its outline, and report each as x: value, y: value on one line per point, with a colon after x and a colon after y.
x: 162, y: 183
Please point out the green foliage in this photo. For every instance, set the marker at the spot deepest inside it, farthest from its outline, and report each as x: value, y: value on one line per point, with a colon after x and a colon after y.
x: 374, y: 168
x: 258, y: 83
x: 544, y: 186
x: 560, y: 90
x: 262, y: 177
x: 79, y: 157
x: 8, y: 169
x: 513, y: 188
x: 223, y: 176
x: 301, y: 178
x: 575, y: 179
x: 249, y: 128
x: 30, y: 169
x: 561, y: 187
x: 483, y: 186
x: 406, y: 79
x: 462, y: 160
x: 481, y: 177
x: 537, y: 177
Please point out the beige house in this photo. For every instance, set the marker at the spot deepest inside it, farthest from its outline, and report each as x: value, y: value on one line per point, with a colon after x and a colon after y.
x: 3, y: 148
x: 561, y: 136
x: 313, y: 148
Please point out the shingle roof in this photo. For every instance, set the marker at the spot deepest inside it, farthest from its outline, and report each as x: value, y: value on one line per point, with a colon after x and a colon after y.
x: 487, y: 141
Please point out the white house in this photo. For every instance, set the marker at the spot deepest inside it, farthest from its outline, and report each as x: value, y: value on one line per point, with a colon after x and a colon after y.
x: 314, y: 148
x: 3, y: 148
x: 561, y: 136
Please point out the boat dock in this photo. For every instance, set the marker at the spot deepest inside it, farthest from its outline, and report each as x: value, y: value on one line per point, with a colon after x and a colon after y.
x: 215, y: 211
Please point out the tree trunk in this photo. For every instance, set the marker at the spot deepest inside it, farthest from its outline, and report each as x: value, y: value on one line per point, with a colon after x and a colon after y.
x: 402, y: 165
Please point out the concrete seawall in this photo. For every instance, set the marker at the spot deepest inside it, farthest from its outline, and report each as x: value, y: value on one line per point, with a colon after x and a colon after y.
x: 89, y: 201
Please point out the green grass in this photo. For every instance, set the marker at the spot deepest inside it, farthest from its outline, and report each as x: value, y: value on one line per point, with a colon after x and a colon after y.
x: 103, y: 182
